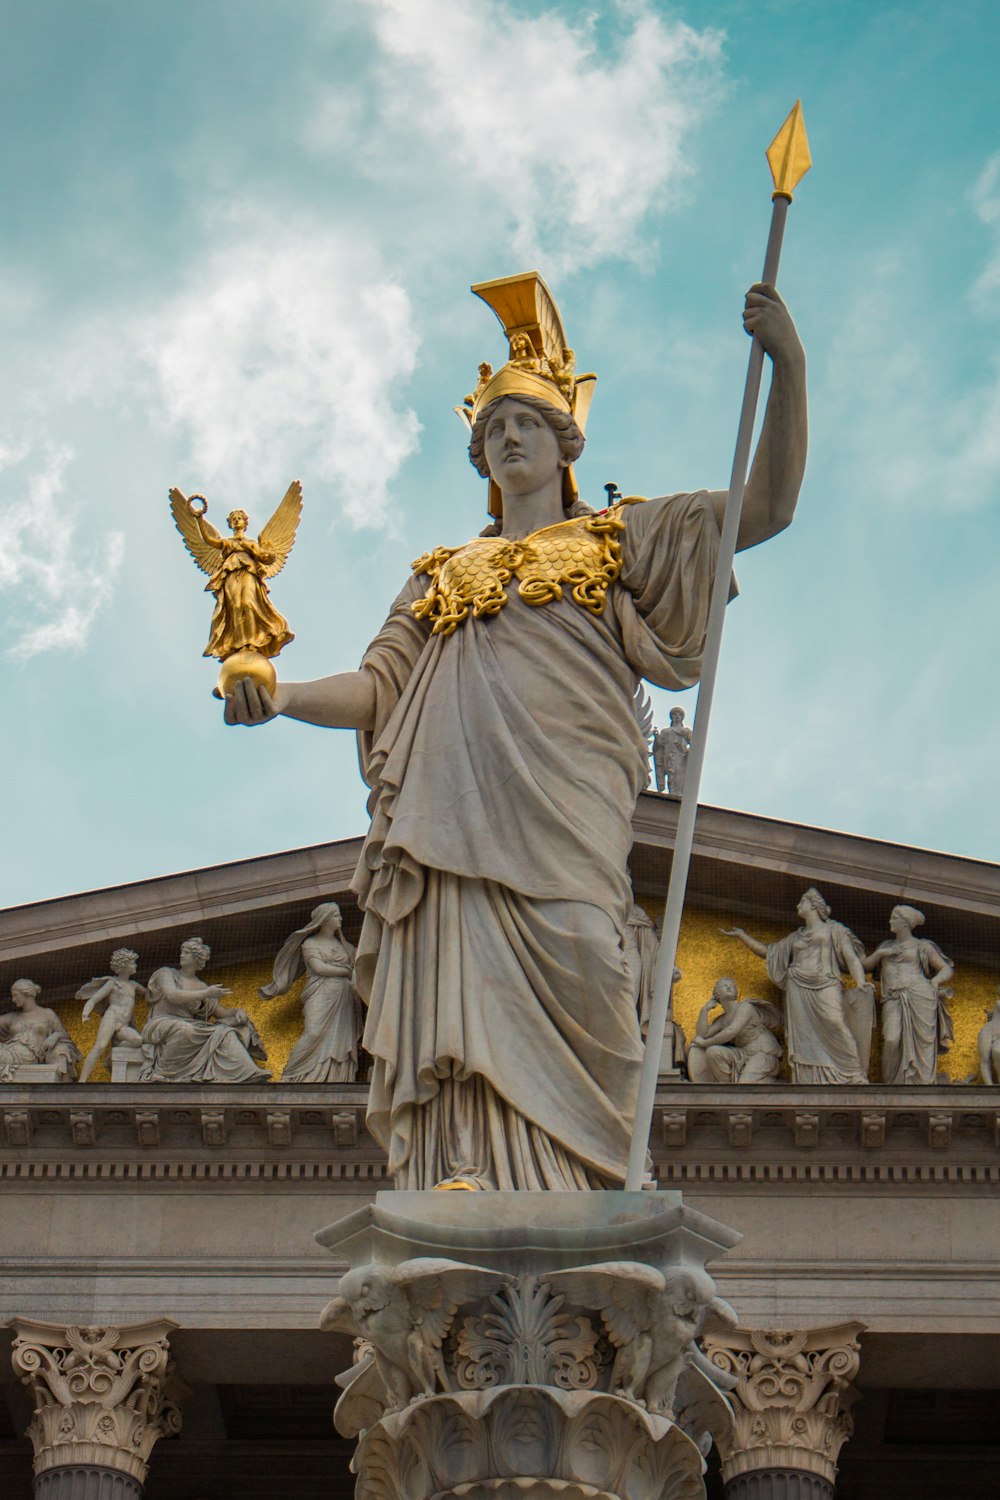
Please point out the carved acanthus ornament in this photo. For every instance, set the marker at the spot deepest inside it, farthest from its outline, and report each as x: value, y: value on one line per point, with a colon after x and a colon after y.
x: 512, y: 1441
x: 791, y: 1399
x: 587, y: 1380
x: 525, y: 1339
x: 102, y: 1396
x: 509, y: 1344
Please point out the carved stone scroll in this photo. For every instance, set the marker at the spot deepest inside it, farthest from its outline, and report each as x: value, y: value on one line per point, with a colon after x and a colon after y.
x: 102, y: 1398
x: 792, y: 1398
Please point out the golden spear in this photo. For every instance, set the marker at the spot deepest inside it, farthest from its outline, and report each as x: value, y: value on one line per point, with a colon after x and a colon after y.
x: 789, y: 160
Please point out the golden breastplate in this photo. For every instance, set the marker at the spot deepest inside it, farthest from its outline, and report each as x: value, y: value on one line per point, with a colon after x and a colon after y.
x: 583, y: 555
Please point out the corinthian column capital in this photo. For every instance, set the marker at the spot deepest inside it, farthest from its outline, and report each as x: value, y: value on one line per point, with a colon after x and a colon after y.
x: 792, y: 1397
x: 102, y: 1396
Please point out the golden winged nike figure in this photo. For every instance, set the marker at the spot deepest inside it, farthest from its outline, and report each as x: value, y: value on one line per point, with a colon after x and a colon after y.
x: 246, y: 628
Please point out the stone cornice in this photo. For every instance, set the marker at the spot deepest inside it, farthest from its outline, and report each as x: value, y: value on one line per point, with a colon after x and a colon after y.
x: 742, y: 863
x: 223, y: 902
x: 723, y: 1135
x: 825, y: 855
x: 756, y: 867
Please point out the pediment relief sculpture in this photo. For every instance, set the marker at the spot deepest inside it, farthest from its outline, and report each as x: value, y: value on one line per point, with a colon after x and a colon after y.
x: 33, y: 1037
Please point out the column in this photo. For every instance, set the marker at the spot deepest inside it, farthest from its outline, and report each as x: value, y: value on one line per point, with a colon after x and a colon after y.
x: 102, y: 1397
x: 518, y: 1350
x: 792, y: 1399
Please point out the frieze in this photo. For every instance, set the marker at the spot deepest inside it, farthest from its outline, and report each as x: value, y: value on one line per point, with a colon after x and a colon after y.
x: 700, y: 1132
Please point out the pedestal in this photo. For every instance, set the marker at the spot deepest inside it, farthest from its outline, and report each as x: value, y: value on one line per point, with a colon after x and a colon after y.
x: 37, y: 1073
x: 542, y: 1343
x: 126, y: 1063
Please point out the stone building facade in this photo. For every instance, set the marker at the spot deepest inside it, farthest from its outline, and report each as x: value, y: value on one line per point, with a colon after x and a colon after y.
x: 162, y: 1283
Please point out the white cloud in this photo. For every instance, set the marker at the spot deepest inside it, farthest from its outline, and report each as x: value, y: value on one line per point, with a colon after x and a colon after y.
x: 922, y: 432
x: 534, y: 117
x: 60, y: 576
x: 283, y: 353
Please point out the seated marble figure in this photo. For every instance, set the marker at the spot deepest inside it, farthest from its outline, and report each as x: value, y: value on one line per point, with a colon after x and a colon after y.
x: 190, y: 1037
x: 31, y: 1035
x: 738, y: 1045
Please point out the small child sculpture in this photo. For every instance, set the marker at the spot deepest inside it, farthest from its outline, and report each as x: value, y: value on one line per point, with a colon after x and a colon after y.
x: 115, y: 994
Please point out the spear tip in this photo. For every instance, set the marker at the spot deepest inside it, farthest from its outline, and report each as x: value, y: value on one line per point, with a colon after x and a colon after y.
x: 788, y: 154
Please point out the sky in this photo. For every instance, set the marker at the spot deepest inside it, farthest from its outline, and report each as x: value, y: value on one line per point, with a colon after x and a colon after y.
x: 235, y: 249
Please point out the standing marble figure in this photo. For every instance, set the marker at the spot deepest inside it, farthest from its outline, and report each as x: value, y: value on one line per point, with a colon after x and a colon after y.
x: 327, y: 1050
x: 828, y: 1029
x: 114, y: 995
x: 916, y: 1025
x: 497, y: 734
x: 671, y: 749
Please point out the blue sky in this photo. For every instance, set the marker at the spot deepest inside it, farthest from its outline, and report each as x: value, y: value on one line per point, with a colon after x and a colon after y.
x: 235, y: 249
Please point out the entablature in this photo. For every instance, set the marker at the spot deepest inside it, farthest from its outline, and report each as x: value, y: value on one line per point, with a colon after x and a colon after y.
x: 723, y: 1135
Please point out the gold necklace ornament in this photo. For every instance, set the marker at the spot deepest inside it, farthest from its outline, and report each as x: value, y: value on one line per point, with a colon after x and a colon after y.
x: 583, y: 554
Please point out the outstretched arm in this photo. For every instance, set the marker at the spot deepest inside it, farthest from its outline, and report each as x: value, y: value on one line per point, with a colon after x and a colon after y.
x: 345, y: 701
x: 779, y: 463
x: 752, y: 943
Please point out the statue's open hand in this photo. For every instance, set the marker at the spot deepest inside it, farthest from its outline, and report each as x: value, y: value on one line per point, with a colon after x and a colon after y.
x: 250, y: 704
x: 767, y: 318
x: 736, y: 932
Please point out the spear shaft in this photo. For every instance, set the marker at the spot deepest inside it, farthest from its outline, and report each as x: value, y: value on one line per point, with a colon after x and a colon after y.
x: 680, y: 865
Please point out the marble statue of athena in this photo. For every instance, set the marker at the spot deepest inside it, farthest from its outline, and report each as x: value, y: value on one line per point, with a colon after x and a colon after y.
x: 494, y: 710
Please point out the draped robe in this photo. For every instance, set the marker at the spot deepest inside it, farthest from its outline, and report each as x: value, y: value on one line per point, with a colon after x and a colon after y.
x: 916, y: 1025
x: 505, y: 762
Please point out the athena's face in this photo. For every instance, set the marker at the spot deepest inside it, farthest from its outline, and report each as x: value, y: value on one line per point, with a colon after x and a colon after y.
x: 898, y: 924
x: 522, y: 450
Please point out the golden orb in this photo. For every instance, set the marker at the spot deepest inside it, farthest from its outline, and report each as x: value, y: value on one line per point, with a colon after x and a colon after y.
x: 245, y: 663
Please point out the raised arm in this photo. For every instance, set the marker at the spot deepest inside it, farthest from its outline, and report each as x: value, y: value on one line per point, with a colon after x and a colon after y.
x: 344, y: 701
x: 779, y: 463
x: 750, y: 942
